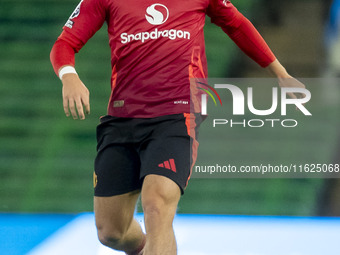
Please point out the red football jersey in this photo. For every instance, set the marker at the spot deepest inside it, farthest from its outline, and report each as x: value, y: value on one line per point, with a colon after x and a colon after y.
x: 156, y: 47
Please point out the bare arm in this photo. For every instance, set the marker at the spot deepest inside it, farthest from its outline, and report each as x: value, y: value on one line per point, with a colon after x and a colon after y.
x: 276, y: 69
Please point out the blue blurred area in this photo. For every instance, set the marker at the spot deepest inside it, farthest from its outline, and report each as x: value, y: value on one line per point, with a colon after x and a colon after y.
x: 333, y: 23
x: 196, y: 235
x: 19, y: 233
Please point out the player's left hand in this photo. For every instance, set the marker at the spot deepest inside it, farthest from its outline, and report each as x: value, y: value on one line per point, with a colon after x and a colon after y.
x: 291, y: 82
x: 285, y: 80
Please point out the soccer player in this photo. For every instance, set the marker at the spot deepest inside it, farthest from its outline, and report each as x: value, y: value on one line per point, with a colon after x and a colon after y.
x: 144, y: 142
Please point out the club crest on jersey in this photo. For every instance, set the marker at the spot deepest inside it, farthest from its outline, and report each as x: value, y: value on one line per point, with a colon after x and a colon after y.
x: 157, y: 16
x: 74, y: 14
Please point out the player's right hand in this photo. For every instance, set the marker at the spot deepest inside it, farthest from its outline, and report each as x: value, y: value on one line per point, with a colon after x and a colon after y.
x: 76, y: 97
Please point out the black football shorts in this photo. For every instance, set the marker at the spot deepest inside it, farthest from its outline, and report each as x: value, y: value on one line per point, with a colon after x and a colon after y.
x: 131, y: 148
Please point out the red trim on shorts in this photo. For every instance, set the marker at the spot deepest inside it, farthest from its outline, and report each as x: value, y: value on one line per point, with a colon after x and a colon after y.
x: 190, y: 122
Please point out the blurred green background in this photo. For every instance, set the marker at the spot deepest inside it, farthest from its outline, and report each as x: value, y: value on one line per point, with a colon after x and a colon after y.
x: 46, y: 160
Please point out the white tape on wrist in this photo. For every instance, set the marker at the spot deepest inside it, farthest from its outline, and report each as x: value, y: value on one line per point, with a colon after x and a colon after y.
x: 65, y: 70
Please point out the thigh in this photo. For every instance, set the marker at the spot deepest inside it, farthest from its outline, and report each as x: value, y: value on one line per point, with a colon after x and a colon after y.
x: 168, y: 157
x: 160, y: 189
x: 115, y: 214
x: 117, y: 169
x: 171, y: 151
x: 117, y: 164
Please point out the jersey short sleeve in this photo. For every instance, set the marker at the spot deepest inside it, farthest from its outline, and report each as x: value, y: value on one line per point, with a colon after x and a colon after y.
x: 86, y: 20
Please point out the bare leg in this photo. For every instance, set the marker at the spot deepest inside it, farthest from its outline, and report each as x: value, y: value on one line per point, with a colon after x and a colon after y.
x: 116, y: 226
x: 160, y: 197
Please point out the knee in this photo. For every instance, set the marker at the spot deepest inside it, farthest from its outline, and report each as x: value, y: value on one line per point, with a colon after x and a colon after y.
x: 160, y: 196
x: 158, y: 206
x: 153, y: 206
x: 110, y: 237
